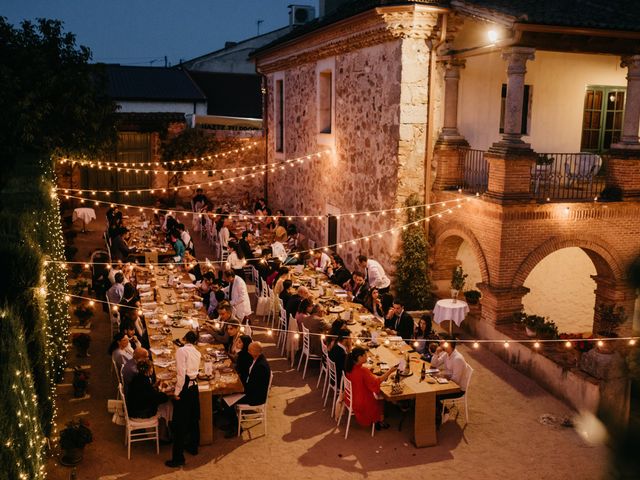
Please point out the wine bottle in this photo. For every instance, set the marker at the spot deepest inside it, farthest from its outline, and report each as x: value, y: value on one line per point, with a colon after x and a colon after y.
x: 423, y: 372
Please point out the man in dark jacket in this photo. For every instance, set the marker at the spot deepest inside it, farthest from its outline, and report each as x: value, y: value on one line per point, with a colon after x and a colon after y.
x: 339, y: 351
x: 399, y: 321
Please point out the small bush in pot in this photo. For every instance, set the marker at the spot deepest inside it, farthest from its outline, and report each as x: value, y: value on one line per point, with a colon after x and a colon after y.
x: 472, y: 297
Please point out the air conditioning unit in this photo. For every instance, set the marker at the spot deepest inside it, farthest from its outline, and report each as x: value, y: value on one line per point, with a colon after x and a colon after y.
x: 301, y: 14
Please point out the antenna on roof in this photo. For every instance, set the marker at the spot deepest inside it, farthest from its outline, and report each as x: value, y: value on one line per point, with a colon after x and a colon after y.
x: 258, y: 22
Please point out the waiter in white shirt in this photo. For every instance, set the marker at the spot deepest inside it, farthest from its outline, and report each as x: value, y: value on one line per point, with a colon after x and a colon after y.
x: 238, y: 295
x: 455, y: 369
x: 374, y: 274
x: 186, y: 404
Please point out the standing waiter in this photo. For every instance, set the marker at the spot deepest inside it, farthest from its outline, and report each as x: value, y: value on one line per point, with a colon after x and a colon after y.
x: 186, y: 404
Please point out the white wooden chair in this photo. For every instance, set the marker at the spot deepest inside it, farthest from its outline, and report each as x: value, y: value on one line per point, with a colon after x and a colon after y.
x: 347, y: 389
x: 306, y: 351
x: 323, y: 368
x: 460, y: 401
x: 139, y: 429
x: 332, y: 384
x: 255, y: 278
x: 253, y: 413
x: 282, y: 331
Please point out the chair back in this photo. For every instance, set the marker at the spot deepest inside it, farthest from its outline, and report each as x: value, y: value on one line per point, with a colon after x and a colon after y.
x: 305, y: 338
x: 587, y: 164
x: 468, y: 371
x: 124, y: 403
x: 347, y: 388
x: 331, y: 368
x: 325, y: 350
x: 269, y: 387
x: 118, y: 372
x: 292, y: 322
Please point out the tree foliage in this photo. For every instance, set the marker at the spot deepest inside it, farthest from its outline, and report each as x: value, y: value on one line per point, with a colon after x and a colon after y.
x: 412, y: 278
x: 53, y: 100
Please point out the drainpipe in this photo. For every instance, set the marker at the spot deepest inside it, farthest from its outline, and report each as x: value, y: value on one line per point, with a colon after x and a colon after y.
x: 431, y: 108
x: 265, y: 133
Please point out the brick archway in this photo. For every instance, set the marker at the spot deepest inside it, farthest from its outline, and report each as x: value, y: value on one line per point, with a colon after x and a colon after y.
x: 448, y: 243
x: 603, y: 256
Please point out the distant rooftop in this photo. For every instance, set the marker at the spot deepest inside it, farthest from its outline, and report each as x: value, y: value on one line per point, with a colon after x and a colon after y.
x: 151, y: 83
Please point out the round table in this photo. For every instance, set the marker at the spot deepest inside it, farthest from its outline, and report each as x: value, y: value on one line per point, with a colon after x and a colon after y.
x: 447, y: 309
x: 85, y: 214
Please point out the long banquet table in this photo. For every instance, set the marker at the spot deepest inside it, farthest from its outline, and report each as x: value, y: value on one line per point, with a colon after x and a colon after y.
x: 387, y: 351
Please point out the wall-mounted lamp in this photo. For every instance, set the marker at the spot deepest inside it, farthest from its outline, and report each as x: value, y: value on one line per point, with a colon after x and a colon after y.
x: 493, y: 36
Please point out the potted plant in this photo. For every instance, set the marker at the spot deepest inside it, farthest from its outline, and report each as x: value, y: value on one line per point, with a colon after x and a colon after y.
x: 73, y: 438
x: 547, y: 330
x: 472, y: 296
x: 610, y: 318
x: 80, y: 382
x: 531, y: 323
x: 458, y: 279
x: 81, y: 341
x: 84, y: 312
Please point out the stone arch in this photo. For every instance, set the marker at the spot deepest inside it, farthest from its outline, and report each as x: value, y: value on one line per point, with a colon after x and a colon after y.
x: 448, y: 243
x: 603, y: 256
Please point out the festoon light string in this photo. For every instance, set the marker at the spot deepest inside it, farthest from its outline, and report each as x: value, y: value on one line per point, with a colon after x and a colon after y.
x: 261, y: 169
x: 475, y: 343
x: 458, y: 203
x: 186, y: 161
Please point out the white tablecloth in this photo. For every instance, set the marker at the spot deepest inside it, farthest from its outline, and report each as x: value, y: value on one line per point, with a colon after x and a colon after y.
x: 85, y: 214
x: 447, y: 310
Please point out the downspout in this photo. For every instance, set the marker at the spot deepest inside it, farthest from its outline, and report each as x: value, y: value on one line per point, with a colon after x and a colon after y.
x: 431, y: 109
x: 265, y: 133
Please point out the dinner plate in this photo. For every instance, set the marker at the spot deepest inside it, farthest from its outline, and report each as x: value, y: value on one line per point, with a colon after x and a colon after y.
x: 164, y: 376
x: 156, y: 337
x: 336, y: 310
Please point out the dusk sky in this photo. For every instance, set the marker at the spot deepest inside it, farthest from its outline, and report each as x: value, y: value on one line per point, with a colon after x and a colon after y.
x: 137, y: 32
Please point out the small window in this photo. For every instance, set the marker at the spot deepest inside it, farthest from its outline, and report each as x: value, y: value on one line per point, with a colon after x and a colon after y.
x: 526, y: 104
x: 602, y: 117
x: 279, y: 113
x: 325, y: 101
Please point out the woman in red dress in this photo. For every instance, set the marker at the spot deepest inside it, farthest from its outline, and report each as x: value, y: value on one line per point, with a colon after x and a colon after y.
x: 366, y: 407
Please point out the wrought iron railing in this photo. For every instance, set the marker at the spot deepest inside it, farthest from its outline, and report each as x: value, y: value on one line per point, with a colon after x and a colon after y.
x: 567, y: 176
x: 476, y: 170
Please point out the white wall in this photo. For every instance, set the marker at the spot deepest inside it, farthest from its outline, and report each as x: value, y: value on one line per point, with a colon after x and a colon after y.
x: 151, y: 107
x: 469, y: 265
x: 558, y: 81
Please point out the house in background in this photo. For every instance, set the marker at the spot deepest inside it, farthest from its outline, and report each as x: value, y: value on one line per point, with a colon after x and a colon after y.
x: 533, y: 105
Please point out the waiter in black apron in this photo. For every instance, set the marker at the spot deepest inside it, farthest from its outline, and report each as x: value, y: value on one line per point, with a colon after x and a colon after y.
x: 186, y: 404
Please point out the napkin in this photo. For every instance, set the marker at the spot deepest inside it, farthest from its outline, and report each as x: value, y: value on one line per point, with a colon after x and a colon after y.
x: 145, y: 294
x: 144, y: 286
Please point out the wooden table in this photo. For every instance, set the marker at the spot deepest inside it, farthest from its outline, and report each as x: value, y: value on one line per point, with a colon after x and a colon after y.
x: 207, y: 388
x: 150, y: 243
x: 424, y: 393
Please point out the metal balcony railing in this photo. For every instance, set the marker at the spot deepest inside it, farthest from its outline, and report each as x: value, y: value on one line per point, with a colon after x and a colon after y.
x: 567, y: 176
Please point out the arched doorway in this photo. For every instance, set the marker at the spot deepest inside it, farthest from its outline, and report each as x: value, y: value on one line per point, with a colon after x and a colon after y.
x: 561, y: 288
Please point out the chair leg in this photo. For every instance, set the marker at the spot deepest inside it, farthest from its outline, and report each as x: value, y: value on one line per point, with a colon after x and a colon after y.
x: 340, y: 416
x: 346, y: 432
x: 300, y: 362
x: 335, y: 399
x: 326, y: 397
x: 157, y: 441
x: 129, y: 449
x: 239, y: 422
x: 319, y: 377
x: 306, y: 364
x: 373, y: 428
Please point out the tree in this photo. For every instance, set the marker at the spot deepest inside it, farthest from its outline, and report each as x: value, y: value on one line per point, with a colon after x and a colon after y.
x: 412, y: 279
x: 53, y: 100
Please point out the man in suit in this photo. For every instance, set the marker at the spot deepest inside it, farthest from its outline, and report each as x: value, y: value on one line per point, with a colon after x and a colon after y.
x: 315, y: 324
x: 294, y: 301
x: 256, y: 388
x: 339, y: 351
x: 399, y: 322
x: 359, y: 288
x: 238, y: 295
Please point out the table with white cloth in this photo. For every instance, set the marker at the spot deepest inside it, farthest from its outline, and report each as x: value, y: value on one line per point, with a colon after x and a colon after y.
x: 85, y: 214
x: 450, y: 309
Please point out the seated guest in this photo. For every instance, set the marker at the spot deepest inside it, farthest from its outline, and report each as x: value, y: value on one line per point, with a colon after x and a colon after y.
x: 222, y: 225
x: 238, y: 295
x: 359, y: 288
x: 116, y: 291
x: 205, y: 287
x: 120, y: 350
x: 256, y: 387
x: 365, y: 385
x: 143, y: 397
x: 178, y: 247
x: 129, y: 303
x: 387, y: 301
x: 423, y: 334
x: 315, y: 324
x: 114, y: 269
x: 277, y: 248
x: 320, y: 261
x: 286, y: 294
x: 127, y: 326
x: 260, y: 207
x: 337, y: 272
x: 373, y: 303
x: 244, y: 245
x: 274, y: 272
x: 120, y: 249
x: 298, y: 244
x: 243, y: 359
x: 229, y: 327
x: 131, y: 366
x: 374, y: 273
x: 339, y: 351
x: 235, y: 259
x: 332, y: 335
x: 454, y: 368
x: 181, y: 230
x: 192, y: 266
x: 294, y: 302
x: 399, y: 322
x: 215, y: 299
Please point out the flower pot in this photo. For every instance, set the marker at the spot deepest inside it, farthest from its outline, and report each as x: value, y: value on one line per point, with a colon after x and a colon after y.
x: 72, y: 456
x: 454, y: 294
x: 530, y: 333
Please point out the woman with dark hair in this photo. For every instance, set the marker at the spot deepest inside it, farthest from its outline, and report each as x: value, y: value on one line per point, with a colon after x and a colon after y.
x: 120, y: 350
x: 373, y: 302
x: 365, y: 385
x: 422, y: 333
x: 244, y: 359
x: 236, y: 259
x: 332, y: 335
x: 387, y: 301
x: 293, y: 343
x: 142, y: 396
x: 129, y: 303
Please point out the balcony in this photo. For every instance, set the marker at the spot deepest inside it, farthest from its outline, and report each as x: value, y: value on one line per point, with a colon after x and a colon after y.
x: 565, y: 177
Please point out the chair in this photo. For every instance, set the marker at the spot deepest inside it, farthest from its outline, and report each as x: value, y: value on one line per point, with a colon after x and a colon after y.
x: 306, y: 351
x: 456, y: 402
x: 282, y: 331
x: 135, y: 425
x: 253, y: 413
x: 323, y: 368
x: 331, y: 384
x: 255, y: 277
x: 107, y: 242
x: 114, y: 317
x: 347, y: 390
x: 582, y: 168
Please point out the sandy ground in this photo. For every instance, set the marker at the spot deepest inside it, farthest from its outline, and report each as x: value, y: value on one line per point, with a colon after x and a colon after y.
x: 503, y: 439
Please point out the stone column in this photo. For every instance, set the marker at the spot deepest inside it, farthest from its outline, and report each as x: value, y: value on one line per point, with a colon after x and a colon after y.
x: 451, y: 81
x: 631, y: 125
x: 516, y: 58
x: 500, y: 304
x: 610, y: 292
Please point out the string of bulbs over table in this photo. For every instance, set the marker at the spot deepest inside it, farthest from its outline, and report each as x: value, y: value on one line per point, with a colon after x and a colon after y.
x: 449, y: 207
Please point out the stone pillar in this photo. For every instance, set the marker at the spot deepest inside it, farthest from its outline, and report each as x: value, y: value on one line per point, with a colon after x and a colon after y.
x: 516, y: 58
x: 500, y: 304
x: 631, y: 125
x: 610, y: 292
x: 510, y: 160
x: 449, y: 149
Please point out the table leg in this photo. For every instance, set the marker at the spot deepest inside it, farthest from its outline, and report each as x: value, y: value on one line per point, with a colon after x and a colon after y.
x: 424, y: 423
x: 206, y: 417
x: 84, y: 227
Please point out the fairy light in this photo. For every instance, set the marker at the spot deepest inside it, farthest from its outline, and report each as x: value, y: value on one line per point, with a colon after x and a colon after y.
x: 476, y: 345
x: 536, y: 345
x: 600, y: 343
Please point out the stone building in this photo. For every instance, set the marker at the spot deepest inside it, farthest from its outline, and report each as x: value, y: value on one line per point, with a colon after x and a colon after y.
x: 432, y: 97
